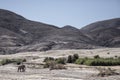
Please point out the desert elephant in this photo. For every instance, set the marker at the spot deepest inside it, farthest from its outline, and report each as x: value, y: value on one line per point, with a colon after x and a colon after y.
x: 21, y: 68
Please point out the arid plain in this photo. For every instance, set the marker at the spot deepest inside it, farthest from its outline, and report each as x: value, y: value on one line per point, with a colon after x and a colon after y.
x: 35, y: 71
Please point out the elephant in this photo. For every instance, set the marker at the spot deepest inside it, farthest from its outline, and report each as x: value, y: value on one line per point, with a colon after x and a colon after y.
x: 21, y: 68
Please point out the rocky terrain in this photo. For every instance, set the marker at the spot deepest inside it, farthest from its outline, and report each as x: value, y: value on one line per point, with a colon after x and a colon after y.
x: 105, y: 33
x: 18, y: 34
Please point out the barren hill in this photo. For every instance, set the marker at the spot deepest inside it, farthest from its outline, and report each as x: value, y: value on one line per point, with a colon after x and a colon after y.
x: 20, y: 34
x: 105, y: 33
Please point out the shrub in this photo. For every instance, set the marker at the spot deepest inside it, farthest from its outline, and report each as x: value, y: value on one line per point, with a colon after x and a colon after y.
x: 96, y: 56
x: 46, y: 65
x: 80, y: 61
x: 98, y: 61
x: 61, y: 60
x: 48, y: 59
x: 19, y: 61
x: 7, y: 61
x: 116, y: 56
x: 70, y: 59
x: 88, y: 62
x: 49, y: 64
x: 75, y: 57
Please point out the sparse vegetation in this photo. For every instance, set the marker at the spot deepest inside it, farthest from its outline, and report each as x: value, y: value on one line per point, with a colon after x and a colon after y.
x: 116, y: 56
x: 57, y: 60
x: 7, y: 61
x: 48, y: 59
x: 75, y: 57
x: 52, y: 63
x: 98, y: 61
x: 80, y: 61
x: 61, y: 60
x: 96, y: 56
x: 70, y: 59
x: 49, y: 63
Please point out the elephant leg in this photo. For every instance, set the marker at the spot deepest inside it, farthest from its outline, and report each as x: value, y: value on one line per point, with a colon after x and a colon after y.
x: 18, y: 69
x: 22, y: 70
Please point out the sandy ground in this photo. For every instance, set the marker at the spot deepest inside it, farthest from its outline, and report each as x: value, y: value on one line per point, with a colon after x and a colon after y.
x: 73, y: 72
x: 9, y: 72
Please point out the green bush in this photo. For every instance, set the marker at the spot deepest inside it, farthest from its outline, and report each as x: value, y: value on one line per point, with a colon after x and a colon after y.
x: 70, y: 59
x: 48, y: 64
x: 88, y: 62
x: 61, y: 60
x: 75, y: 57
x: 98, y: 61
x: 48, y: 59
x: 96, y: 56
x: 80, y: 61
x: 57, y: 60
x: 19, y: 61
x: 116, y: 56
x: 7, y: 61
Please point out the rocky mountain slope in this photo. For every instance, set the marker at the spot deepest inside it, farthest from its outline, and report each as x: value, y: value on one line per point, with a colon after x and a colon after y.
x: 105, y: 33
x: 20, y: 34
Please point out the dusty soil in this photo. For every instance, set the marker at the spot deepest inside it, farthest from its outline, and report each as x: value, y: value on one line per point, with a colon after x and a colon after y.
x: 73, y: 72
x: 9, y: 72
